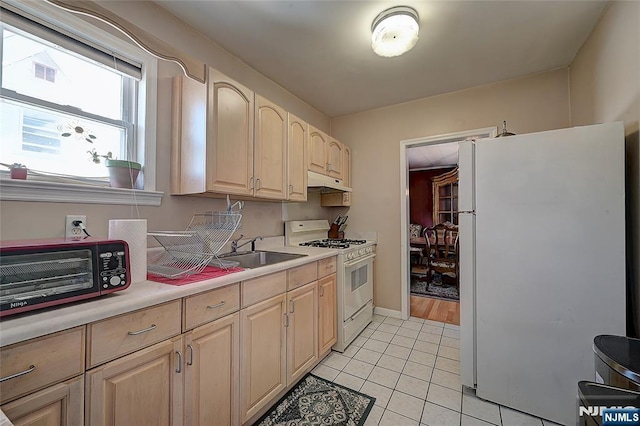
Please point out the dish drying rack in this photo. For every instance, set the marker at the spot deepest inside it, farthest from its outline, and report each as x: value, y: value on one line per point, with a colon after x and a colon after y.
x: 189, y: 252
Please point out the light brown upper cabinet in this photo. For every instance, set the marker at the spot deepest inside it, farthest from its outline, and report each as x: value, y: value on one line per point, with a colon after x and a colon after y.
x: 335, y: 152
x: 270, y: 150
x: 340, y: 199
x: 318, y: 143
x: 212, y: 147
x: 297, y: 158
x: 230, y: 140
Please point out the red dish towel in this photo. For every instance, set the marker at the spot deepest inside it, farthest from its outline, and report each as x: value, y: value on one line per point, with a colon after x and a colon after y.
x: 208, y: 273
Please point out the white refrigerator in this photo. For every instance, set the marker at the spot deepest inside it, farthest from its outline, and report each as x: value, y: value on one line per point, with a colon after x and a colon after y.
x: 542, y: 263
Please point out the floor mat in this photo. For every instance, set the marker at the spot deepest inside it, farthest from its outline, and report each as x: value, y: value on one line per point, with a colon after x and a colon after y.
x: 316, y: 401
x: 436, y: 288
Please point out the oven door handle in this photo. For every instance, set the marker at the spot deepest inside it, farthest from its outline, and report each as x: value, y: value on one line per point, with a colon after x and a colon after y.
x: 359, y: 260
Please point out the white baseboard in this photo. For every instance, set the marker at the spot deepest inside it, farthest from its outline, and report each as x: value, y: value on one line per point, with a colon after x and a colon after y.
x: 387, y: 312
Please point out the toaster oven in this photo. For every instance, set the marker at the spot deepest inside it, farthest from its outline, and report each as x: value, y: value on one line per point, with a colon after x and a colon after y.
x: 36, y: 274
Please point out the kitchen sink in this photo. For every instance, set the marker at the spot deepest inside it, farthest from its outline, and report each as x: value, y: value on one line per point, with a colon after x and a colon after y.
x: 256, y: 259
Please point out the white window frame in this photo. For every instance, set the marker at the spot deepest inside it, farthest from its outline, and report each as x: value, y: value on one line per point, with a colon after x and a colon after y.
x: 40, y: 190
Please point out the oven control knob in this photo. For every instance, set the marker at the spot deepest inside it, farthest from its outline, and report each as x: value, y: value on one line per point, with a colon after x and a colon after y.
x: 361, y: 252
x: 350, y: 255
x: 115, y: 280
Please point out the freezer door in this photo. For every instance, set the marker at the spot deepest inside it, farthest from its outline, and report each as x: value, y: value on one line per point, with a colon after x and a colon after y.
x: 550, y: 263
x: 466, y: 176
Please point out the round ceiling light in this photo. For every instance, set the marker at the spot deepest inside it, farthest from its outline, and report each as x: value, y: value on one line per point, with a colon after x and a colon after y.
x: 395, y: 31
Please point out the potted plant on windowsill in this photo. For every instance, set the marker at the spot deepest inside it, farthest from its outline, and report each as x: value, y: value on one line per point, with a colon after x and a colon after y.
x: 18, y: 171
x: 122, y: 173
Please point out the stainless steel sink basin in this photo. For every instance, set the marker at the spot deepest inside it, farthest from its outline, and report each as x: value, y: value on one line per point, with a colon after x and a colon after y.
x: 256, y: 259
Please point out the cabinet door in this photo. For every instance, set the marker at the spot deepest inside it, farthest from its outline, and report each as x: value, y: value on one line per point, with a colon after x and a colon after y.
x: 445, y: 197
x: 346, y: 174
x: 142, y: 388
x: 302, y: 330
x: 263, y: 372
x: 327, y: 332
x: 212, y: 372
x: 61, y: 404
x: 229, y: 157
x: 297, y: 159
x: 270, y: 150
x: 317, y: 151
x: 188, y: 136
x: 334, y: 158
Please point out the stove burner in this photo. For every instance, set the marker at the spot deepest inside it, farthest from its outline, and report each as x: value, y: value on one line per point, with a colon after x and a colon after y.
x: 333, y: 243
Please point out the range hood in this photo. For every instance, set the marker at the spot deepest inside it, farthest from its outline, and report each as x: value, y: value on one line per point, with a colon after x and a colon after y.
x: 325, y: 183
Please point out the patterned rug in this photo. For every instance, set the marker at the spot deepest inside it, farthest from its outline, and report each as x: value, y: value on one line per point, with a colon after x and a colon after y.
x: 315, y: 401
x: 436, y: 288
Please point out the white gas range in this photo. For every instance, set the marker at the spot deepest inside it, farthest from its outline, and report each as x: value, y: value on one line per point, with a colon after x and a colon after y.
x: 354, y: 275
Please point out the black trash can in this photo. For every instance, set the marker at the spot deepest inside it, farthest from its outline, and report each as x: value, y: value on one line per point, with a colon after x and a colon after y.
x: 617, y: 361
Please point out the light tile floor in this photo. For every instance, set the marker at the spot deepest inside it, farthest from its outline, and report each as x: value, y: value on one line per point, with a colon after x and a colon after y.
x: 412, y: 368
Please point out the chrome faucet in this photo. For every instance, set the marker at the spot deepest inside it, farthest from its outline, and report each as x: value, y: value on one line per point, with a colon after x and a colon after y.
x: 235, y: 246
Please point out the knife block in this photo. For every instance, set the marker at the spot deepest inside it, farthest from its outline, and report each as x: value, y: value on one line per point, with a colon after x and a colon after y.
x: 334, y: 233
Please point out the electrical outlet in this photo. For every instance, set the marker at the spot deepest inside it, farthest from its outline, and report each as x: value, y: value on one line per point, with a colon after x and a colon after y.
x: 71, y: 230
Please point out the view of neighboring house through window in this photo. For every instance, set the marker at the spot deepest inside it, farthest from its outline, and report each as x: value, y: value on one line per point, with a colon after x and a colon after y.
x: 49, y: 91
x: 45, y: 73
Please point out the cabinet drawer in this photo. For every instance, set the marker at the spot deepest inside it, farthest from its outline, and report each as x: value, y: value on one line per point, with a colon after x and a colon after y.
x: 302, y: 275
x: 327, y: 266
x: 127, y: 333
x: 262, y: 288
x: 48, y: 359
x: 202, y: 308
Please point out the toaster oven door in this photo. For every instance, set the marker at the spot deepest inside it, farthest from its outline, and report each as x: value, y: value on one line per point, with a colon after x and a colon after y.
x: 34, y: 280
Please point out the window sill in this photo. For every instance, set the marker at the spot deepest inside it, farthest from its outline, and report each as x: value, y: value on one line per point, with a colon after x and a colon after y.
x: 55, y: 192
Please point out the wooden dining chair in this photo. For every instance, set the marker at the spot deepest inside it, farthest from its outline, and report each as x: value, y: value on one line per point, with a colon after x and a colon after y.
x: 442, y: 251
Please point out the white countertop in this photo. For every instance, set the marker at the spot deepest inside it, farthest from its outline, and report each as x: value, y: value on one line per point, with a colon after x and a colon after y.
x: 137, y: 296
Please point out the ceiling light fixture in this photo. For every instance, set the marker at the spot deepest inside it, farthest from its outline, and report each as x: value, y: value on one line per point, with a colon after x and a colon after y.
x: 395, y: 31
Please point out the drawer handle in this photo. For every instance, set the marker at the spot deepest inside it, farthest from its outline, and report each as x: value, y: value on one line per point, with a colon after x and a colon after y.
x: 217, y: 305
x: 144, y: 330
x: 22, y: 373
x: 290, y: 189
x: 190, y: 362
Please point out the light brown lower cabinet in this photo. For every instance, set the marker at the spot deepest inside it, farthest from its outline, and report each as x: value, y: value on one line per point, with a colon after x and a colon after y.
x: 263, y: 369
x: 302, y: 329
x: 211, y: 373
x: 327, y: 322
x: 191, y: 379
x: 145, y: 387
x: 57, y: 405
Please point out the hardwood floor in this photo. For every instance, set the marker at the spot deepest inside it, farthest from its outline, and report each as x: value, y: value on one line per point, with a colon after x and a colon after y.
x: 435, y: 309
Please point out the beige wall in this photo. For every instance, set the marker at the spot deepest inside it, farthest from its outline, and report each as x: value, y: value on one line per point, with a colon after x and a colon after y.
x: 20, y: 220
x: 605, y: 86
x: 534, y: 103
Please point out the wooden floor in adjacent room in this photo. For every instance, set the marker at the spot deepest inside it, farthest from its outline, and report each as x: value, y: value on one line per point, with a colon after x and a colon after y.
x: 435, y: 309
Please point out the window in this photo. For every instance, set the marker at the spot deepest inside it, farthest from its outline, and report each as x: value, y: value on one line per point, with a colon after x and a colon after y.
x: 62, y: 75
x: 70, y: 106
x: 44, y: 72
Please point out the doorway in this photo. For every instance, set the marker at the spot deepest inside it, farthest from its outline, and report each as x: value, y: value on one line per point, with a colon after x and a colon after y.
x: 432, y: 149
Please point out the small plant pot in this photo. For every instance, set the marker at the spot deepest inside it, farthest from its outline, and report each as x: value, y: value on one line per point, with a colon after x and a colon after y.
x: 19, y: 173
x: 122, y: 174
